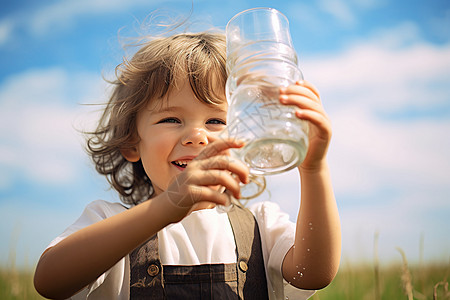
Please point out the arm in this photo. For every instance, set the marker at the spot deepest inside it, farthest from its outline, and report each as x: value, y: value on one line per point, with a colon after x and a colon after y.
x: 91, y: 251
x: 313, y: 261
x: 83, y: 256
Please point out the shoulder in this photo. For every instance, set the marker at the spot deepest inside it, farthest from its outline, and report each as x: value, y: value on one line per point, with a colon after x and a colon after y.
x: 104, y: 208
x: 100, y: 209
x: 93, y: 212
x: 269, y: 216
x: 264, y: 206
x: 267, y: 209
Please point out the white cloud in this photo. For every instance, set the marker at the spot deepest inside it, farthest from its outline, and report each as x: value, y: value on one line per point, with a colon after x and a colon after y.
x: 62, y: 15
x: 363, y: 88
x: 398, y: 167
x: 391, y: 175
x: 440, y: 24
x: 369, y: 80
x: 6, y: 28
x: 65, y: 13
x: 385, y: 78
x: 340, y: 10
x: 39, y: 119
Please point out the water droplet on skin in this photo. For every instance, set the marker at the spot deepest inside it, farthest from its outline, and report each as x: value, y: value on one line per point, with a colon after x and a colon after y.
x: 308, y: 249
x: 294, y: 278
x: 311, y: 228
x: 301, y: 274
x: 303, y: 239
x: 293, y: 246
x: 296, y: 267
x: 310, y: 224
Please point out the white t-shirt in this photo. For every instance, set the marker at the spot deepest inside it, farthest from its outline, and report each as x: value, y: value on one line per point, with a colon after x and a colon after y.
x: 203, y: 237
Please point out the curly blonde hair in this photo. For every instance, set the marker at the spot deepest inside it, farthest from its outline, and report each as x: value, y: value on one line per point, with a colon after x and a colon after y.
x: 149, y: 75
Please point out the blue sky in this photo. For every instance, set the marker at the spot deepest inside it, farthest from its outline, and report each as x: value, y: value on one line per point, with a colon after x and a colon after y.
x: 383, y: 69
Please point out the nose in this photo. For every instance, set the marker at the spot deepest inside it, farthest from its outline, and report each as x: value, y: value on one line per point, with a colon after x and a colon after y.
x: 195, y: 137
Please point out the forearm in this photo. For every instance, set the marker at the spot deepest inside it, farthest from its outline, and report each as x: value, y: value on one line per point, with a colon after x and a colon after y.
x: 83, y: 256
x: 314, y: 259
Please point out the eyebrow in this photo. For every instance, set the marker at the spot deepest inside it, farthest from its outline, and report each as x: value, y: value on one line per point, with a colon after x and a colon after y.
x: 164, y: 109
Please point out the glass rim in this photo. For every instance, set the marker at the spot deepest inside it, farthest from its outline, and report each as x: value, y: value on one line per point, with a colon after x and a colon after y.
x: 250, y: 10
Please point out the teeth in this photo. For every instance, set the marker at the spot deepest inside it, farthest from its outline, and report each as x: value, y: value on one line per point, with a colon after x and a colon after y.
x: 181, y: 163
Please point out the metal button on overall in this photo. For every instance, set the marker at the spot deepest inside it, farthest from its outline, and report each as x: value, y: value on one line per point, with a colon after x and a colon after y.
x: 153, y: 270
x: 243, y: 266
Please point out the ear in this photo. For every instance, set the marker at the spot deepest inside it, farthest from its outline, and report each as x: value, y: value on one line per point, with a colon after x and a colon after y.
x: 131, y: 154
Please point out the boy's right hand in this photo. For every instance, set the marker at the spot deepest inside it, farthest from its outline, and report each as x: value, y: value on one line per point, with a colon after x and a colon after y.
x: 201, y: 180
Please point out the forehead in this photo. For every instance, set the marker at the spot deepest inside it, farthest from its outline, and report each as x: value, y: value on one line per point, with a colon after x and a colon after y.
x: 181, y: 95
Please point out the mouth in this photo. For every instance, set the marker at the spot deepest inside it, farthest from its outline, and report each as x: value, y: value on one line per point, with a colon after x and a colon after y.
x: 180, y: 163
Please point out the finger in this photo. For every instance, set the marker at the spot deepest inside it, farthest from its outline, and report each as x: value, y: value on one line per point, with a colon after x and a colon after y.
x: 310, y: 86
x: 299, y: 90
x: 301, y: 102
x: 219, y: 146
x: 218, y: 177
x: 226, y: 163
x: 210, y: 195
x: 321, y: 121
x: 188, y: 189
x: 202, y: 194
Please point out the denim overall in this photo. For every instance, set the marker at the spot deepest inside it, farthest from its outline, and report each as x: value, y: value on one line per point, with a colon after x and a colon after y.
x: 245, y: 279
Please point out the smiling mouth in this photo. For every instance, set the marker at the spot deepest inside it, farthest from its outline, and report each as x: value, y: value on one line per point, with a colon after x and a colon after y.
x: 180, y: 163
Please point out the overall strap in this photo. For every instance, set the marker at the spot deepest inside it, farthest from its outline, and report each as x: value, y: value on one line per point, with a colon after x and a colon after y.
x: 146, y: 271
x: 252, y: 283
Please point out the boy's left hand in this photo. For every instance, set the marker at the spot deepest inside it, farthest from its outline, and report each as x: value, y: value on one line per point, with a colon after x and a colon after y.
x: 306, y: 98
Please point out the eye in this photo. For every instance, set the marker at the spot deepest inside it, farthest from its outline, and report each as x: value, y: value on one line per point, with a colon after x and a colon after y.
x: 216, y: 122
x: 169, y: 120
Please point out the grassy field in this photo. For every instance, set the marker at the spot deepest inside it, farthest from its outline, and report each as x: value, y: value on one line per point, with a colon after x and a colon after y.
x: 17, y: 285
x: 364, y: 282
x: 391, y: 283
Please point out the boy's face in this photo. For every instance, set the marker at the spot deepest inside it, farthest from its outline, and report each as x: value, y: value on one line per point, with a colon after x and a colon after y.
x: 174, y: 131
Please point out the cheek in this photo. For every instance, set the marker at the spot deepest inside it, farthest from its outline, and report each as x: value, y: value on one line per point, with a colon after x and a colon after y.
x: 154, y: 154
x: 215, y: 135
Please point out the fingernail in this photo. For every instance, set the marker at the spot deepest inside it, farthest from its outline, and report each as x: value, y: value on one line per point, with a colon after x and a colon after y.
x: 240, y: 143
x: 283, y: 89
x: 283, y: 98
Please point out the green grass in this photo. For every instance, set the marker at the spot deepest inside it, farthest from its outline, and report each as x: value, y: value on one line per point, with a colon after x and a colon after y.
x: 17, y: 285
x: 351, y: 282
x: 359, y: 283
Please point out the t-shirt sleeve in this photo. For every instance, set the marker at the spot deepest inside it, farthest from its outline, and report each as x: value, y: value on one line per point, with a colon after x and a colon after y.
x: 277, y: 237
x: 94, y: 212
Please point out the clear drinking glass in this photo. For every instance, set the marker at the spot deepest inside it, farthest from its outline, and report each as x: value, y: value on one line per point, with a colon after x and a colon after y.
x: 260, y: 59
